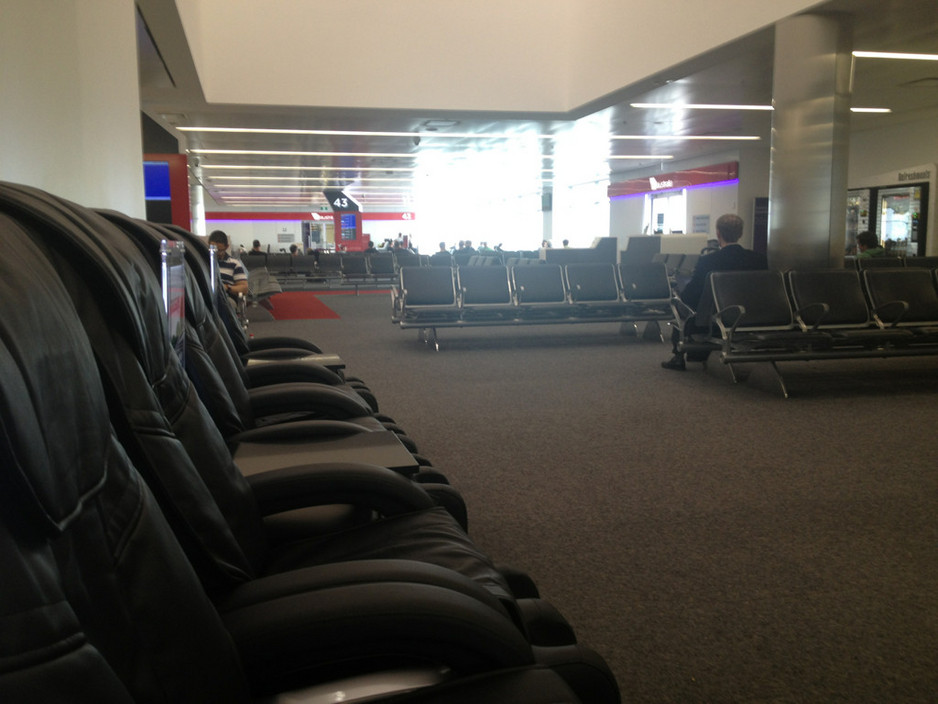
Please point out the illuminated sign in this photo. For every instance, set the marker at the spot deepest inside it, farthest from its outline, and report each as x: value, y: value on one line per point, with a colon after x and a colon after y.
x: 707, y: 175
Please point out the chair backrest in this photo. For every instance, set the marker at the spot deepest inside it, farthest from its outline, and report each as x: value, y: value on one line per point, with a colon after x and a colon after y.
x: 325, y: 262
x: 484, y: 285
x: 254, y: 261
x: 212, y: 363
x: 761, y: 293
x: 915, y: 286
x: 839, y: 289
x: 441, y: 259
x: 404, y: 257
x: 922, y: 262
x: 539, y: 284
x: 592, y: 283
x: 645, y: 282
x: 279, y: 262
x: 46, y: 653
x: 428, y: 286
x: 381, y: 264
x: 879, y: 262
x: 159, y: 418
x: 77, y: 492
x: 354, y: 265
x: 640, y: 249
x: 462, y: 258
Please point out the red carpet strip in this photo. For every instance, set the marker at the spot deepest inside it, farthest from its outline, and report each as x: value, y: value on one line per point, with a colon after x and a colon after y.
x: 300, y: 305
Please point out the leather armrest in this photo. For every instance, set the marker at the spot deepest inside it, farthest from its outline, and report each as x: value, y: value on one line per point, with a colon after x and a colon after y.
x: 319, y: 400
x: 365, y: 485
x: 308, y: 579
x: 287, y: 371
x: 308, y: 636
x: 300, y: 430
x: 256, y: 344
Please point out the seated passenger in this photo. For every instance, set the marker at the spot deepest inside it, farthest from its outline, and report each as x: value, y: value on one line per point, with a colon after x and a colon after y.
x: 234, y: 276
x: 731, y: 256
x: 868, y: 246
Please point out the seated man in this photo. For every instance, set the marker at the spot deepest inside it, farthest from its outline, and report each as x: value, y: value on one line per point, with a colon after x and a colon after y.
x: 868, y: 246
x: 234, y: 276
x: 731, y: 256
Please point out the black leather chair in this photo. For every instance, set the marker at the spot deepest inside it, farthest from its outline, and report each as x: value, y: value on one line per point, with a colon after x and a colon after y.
x: 207, y: 333
x: 199, y: 455
x: 128, y: 580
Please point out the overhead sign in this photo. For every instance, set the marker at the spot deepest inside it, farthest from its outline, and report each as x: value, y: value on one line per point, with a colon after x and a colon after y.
x: 341, y: 201
x: 707, y: 175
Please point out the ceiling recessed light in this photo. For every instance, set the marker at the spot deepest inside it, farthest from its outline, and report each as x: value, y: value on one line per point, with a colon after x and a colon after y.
x: 698, y: 106
x: 895, y: 55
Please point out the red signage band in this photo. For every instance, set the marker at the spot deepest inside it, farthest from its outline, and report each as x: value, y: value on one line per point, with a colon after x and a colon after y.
x: 716, y: 173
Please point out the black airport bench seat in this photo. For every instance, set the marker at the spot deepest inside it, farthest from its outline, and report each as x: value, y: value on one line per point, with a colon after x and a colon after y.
x: 468, y: 296
x: 773, y: 316
x: 303, y: 271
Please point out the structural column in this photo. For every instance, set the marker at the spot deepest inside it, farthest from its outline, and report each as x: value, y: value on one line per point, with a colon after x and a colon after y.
x: 810, y: 123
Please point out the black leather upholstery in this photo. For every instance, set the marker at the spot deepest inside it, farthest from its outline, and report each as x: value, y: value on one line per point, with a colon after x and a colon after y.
x: 73, y: 498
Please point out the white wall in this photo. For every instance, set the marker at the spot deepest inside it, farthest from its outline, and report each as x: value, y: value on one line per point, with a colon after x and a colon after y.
x: 533, y: 55
x: 63, y: 128
x: 244, y: 232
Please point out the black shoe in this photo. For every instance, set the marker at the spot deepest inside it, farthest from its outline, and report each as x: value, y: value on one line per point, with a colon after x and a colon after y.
x: 676, y: 363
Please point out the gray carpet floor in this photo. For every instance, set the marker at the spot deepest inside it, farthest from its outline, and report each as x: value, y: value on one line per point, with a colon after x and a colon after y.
x: 713, y: 541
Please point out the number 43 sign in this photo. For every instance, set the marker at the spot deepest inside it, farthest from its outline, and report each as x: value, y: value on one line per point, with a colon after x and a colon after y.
x: 340, y: 201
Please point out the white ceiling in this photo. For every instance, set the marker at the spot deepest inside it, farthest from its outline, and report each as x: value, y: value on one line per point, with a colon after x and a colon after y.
x: 498, y: 151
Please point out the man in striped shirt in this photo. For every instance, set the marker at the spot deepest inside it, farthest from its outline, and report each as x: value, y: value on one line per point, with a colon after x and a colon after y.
x: 234, y: 276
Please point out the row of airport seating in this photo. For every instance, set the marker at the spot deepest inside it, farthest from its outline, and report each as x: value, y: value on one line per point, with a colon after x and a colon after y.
x: 773, y: 316
x: 189, y: 515
x: 302, y: 270
x: 890, y: 262
x: 683, y: 264
x: 358, y: 268
x: 434, y: 297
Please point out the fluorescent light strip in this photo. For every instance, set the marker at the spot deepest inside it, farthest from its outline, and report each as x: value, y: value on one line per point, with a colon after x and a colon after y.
x: 362, y: 133
x: 307, y: 178
x: 269, y: 167
x: 688, y: 138
x: 894, y: 55
x: 245, y: 200
x: 265, y: 152
x: 269, y: 186
x: 698, y: 106
x: 301, y: 189
x: 651, y: 157
x: 466, y: 135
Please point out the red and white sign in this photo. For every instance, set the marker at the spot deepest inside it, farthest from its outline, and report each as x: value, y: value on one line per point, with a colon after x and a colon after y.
x: 727, y: 171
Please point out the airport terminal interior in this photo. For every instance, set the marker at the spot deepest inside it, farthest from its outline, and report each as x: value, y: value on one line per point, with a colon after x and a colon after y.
x: 401, y: 468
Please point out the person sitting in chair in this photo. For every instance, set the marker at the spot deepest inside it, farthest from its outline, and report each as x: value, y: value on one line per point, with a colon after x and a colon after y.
x: 234, y: 276
x: 868, y: 246
x: 731, y: 256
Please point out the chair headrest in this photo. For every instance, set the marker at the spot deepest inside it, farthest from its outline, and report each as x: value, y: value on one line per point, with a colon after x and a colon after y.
x: 54, y: 437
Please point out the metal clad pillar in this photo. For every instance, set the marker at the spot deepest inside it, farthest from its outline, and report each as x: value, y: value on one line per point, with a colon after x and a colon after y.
x: 808, y: 172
